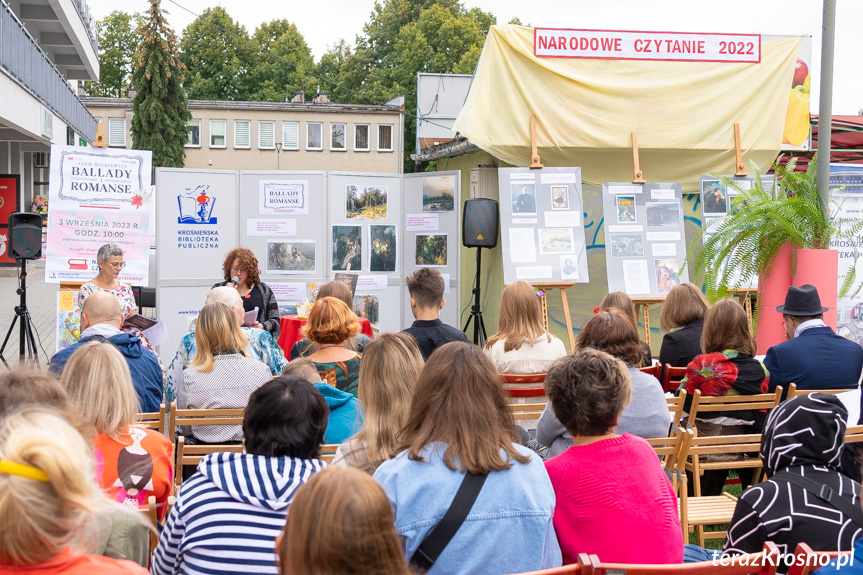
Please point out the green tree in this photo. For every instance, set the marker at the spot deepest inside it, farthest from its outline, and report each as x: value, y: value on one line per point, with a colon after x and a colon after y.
x: 219, y: 56
x: 404, y: 38
x: 117, y: 44
x: 278, y: 76
x: 329, y: 71
x: 159, y: 110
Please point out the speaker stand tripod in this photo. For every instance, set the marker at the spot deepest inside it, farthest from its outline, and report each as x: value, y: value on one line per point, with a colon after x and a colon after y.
x: 479, y: 335
x: 25, y: 333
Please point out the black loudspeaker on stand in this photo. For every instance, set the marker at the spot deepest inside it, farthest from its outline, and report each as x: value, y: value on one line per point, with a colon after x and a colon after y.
x: 479, y: 230
x: 25, y: 243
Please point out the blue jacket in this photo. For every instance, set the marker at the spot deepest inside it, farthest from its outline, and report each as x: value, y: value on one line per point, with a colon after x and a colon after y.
x: 143, y: 365
x: 346, y: 417
x: 508, y: 530
x: 816, y: 359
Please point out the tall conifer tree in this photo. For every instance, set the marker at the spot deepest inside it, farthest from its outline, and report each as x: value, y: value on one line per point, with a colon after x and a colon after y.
x: 160, y: 109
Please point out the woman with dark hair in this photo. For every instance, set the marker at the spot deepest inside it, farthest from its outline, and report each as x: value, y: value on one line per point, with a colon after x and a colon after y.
x: 683, y: 319
x: 588, y: 391
x: 240, y: 270
x: 646, y: 415
x: 228, y: 515
x: 341, y: 523
x: 460, y: 424
x: 618, y: 300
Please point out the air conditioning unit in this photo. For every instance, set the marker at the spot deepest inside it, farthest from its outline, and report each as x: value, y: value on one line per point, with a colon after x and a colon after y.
x: 40, y: 159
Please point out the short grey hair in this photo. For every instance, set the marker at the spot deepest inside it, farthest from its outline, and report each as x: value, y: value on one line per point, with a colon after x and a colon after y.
x: 107, y: 251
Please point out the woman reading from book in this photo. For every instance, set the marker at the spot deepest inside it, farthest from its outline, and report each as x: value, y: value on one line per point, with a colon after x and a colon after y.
x: 240, y: 270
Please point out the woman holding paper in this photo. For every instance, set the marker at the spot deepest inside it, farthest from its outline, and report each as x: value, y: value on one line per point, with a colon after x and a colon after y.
x: 240, y: 270
x: 110, y: 261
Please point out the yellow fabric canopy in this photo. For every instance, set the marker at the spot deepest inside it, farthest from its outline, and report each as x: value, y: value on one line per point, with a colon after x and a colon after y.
x: 684, y: 112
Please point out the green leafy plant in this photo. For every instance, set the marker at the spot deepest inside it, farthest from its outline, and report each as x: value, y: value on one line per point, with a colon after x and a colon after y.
x: 743, y: 244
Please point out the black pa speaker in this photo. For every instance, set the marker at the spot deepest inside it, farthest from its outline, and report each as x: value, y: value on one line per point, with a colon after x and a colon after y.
x: 25, y: 236
x: 479, y: 223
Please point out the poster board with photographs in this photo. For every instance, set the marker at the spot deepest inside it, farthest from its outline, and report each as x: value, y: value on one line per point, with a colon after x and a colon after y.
x: 645, y: 243
x: 282, y: 217
x: 431, y: 238
x: 542, y: 225
x: 363, y: 236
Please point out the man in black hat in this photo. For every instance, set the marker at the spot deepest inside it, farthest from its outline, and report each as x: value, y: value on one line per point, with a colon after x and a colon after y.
x: 814, y: 357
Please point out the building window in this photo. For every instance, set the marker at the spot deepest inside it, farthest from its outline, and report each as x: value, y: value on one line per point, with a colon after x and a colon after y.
x: 193, y: 134
x: 385, y: 137
x: 314, y: 136
x: 242, y: 130
x: 290, y: 135
x: 117, y: 132
x: 338, y: 137
x: 217, y: 133
x: 361, y: 137
x: 267, y: 135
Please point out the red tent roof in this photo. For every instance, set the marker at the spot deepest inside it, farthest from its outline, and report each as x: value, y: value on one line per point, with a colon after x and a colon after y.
x: 846, y: 143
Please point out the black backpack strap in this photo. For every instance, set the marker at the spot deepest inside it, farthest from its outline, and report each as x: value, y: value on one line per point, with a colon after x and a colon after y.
x: 435, y: 542
x: 823, y: 492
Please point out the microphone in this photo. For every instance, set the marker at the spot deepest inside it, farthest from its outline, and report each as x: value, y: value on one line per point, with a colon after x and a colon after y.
x: 235, y: 280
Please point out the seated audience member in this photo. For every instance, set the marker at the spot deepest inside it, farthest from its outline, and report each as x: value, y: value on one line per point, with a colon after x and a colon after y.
x: 459, y: 423
x: 814, y: 357
x: 802, y: 440
x: 390, y: 369
x: 646, y: 414
x: 682, y: 318
x: 240, y: 270
x: 338, y: 290
x: 588, y: 391
x: 727, y: 367
x: 136, y: 462
x: 617, y: 300
x: 346, y: 417
x: 331, y: 323
x: 220, y: 376
x: 340, y: 523
x: 521, y: 344
x: 48, y: 499
x: 102, y: 318
x: 261, y: 345
x: 426, y: 287
x: 228, y: 514
x: 122, y: 532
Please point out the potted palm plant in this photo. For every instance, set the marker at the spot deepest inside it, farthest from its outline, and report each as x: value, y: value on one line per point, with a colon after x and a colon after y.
x: 780, y: 234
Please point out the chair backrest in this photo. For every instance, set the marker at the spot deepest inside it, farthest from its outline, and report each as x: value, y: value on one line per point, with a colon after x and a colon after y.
x: 675, y: 406
x: 749, y: 443
x: 526, y: 410
x: 328, y: 451
x: 807, y: 561
x: 670, y: 449
x: 653, y: 370
x: 192, y: 455
x: 671, y: 377
x: 761, y: 563
x: 794, y: 392
x: 707, y: 404
x: 522, y: 377
x: 203, y: 417
x: 153, y: 420
x: 854, y: 434
x: 525, y: 391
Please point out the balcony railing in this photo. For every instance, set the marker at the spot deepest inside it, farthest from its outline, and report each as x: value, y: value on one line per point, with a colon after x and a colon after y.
x: 24, y: 60
x: 88, y: 20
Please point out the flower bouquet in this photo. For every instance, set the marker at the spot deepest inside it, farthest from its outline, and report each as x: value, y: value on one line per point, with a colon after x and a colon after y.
x: 40, y: 205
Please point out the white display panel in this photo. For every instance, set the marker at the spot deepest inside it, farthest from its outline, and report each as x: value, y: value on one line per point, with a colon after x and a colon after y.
x: 178, y: 306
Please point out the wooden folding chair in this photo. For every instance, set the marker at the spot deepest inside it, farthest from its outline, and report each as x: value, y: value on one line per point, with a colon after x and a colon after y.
x: 521, y: 411
x: 698, y: 511
x: 807, y: 561
x: 192, y: 455
x: 671, y: 377
x: 155, y: 524
x: 510, y: 379
x: 854, y: 434
x: 761, y: 563
x: 189, y: 417
x: 794, y: 392
x: 153, y: 420
x: 670, y: 449
x: 675, y: 407
x: 654, y: 370
x: 328, y: 451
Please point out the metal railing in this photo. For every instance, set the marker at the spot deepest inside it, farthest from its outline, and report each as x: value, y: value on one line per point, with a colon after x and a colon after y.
x: 23, y: 59
x: 88, y: 20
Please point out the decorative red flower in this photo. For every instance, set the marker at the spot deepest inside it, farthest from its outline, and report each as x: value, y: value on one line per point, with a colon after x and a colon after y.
x: 137, y: 201
x: 712, y: 373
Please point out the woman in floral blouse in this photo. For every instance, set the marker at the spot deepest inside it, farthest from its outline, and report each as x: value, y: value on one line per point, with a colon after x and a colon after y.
x: 727, y: 367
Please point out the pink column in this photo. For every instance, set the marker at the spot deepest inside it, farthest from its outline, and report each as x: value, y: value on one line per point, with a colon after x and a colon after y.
x: 821, y: 269
x: 771, y: 293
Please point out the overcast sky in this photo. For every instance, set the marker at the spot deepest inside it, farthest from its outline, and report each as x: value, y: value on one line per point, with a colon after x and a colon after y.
x: 324, y: 22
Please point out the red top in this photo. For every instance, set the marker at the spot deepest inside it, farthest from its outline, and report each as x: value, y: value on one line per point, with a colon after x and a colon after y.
x: 290, y: 326
x: 68, y: 563
x: 614, y: 500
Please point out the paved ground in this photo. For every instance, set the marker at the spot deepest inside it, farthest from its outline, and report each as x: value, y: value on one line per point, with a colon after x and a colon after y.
x: 42, y: 304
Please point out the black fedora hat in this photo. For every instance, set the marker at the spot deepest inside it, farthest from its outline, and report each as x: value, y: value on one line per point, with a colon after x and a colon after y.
x: 802, y: 300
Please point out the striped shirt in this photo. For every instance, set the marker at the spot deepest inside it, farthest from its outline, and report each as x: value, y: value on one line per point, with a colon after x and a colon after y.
x: 228, y: 515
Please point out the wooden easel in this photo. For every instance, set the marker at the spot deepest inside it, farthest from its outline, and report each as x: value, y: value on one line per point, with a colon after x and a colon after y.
x: 738, y: 155
x: 562, y: 286
x: 642, y: 306
x: 535, y: 162
x: 746, y: 297
x: 637, y: 176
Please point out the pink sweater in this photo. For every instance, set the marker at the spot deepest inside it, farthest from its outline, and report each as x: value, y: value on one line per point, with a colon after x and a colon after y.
x: 614, y: 500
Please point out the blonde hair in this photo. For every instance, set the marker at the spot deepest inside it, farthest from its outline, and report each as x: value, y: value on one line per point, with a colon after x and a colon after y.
x: 520, y: 318
x: 389, y: 371
x: 40, y: 518
x: 98, y: 382
x: 217, y: 332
